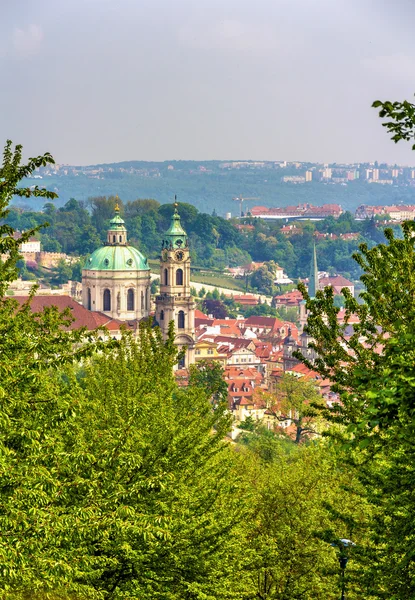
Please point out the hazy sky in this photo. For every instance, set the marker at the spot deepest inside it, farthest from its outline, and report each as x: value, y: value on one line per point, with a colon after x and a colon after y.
x: 109, y: 80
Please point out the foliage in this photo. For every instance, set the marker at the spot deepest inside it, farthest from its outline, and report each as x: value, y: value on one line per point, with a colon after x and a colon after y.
x: 298, y: 492
x: 109, y: 489
x: 262, y: 279
x: 299, y: 400
x: 402, y: 119
x: 215, y: 308
x: 371, y: 365
x: 11, y: 173
x: 248, y: 424
x: 208, y: 375
x: 78, y: 228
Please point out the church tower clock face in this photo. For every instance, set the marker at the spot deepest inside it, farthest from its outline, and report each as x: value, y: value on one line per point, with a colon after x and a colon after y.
x: 179, y: 255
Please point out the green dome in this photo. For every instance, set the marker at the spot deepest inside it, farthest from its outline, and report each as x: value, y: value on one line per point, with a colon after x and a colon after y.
x: 117, y: 258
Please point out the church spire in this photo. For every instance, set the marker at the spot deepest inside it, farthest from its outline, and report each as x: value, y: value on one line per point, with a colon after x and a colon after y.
x: 313, y: 280
x: 175, y: 236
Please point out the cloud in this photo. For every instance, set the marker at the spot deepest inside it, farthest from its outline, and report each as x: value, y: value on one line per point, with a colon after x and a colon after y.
x: 230, y: 34
x: 27, y: 42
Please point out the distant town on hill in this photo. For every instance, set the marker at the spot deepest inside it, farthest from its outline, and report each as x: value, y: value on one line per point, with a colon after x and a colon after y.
x: 213, y: 185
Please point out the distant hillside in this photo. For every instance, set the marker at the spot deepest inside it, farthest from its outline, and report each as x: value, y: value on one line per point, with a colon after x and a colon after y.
x: 211, y: 186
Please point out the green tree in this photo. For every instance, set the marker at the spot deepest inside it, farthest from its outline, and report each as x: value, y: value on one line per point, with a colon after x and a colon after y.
x: 208, y: 375
x: 299, y: 400
x: 62, y: 273
x: 216, y: 308
x: 372, y: 370
x: 297, y: 493
x: 262, y: 279
x: 109, y: 490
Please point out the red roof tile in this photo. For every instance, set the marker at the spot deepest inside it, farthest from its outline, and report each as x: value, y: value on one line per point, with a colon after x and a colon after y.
x: 82, y: 316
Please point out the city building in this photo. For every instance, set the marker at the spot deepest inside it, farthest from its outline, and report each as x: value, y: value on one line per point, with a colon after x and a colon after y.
x: 116, y: 277
x: 175, y: 302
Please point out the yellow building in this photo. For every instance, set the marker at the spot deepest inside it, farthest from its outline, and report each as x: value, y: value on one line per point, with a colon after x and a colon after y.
x: 208, y: 351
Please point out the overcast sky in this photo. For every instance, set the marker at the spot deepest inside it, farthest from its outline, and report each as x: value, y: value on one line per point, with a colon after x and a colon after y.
x: 108, y: 80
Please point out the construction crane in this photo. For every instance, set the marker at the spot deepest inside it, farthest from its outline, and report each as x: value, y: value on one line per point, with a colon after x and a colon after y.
x: 241, y: 200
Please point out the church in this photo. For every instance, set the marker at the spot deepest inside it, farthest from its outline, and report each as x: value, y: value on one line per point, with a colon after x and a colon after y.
x: 116, y: 281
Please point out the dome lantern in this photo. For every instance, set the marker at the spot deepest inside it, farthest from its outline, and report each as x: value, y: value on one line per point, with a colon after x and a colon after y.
x: 117, y: 233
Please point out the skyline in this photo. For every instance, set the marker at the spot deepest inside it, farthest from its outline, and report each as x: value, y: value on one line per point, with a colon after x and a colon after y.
x: 101, y: 82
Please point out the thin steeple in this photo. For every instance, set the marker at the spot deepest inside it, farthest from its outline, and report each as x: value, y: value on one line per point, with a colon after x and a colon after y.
x: 313, y: 280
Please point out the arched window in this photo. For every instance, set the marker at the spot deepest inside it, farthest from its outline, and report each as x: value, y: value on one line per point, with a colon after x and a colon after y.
x: 180, y: 319
x: 107, y: 300
x: 120, y: 238
x: 166, y: 277
x: 162, y: 315
x: 142, y: 300
x: 114, y: 238
x: 179, y: 277
x: 88, y: 299
x: 130, y: 299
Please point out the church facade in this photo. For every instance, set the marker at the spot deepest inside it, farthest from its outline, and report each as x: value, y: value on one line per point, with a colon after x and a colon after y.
x: 116, y: 281
x: 116, y: 277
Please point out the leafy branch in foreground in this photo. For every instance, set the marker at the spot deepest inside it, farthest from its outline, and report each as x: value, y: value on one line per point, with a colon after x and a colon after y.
x: 402, y: 119
x: 11, y: 174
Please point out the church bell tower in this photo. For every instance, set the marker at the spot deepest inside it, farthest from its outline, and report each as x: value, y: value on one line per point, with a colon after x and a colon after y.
x: 175, y: 302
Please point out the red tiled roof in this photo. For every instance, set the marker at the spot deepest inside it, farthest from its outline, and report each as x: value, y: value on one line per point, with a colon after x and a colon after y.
x: 248, y: 373
x: 236, y: 342
x: 246, y: 299
x: 82, y: 316
x: 352, y: 319
x: 272, y: 322
x: 303, y: 370
x: 337, y: 280
x: 263, y: 350
x: 204, y: 321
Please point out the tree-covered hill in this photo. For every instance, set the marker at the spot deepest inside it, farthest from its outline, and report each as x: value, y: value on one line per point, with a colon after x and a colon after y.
x: 78, y: 228
x: 209, y: 186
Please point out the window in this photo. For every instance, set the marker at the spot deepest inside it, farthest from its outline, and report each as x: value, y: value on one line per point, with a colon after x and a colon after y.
x: 120, y: 238
x: 147, y: 296
x: 107, y: 300
x: 162, y: 315
x: 114, y: 238
x: 180, y: 319
x: 182, y: 363
x: 130, y: 299
x: 142, y: 300
x: 210, y: 351
x: 179, y: 277
x: 88, y: 299
x: 166, y: 277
